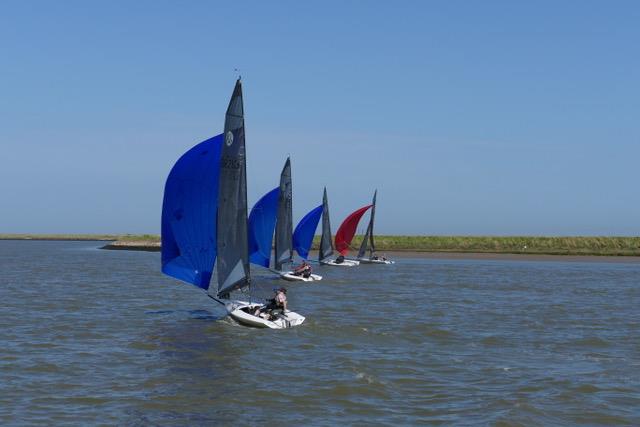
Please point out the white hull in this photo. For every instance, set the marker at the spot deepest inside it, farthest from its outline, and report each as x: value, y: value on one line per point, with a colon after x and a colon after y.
x: 375, y: 261
x: 345, y: 263
x: 242, y: 312
x: 288, y: 275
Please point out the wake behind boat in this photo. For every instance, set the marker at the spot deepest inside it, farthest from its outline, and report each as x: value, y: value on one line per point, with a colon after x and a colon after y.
x: 209, y: 181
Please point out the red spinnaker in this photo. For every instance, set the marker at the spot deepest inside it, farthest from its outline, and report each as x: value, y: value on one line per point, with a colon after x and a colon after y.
x: 348, y: 229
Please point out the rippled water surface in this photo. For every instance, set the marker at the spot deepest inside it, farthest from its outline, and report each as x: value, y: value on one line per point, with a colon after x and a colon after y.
x: 101, y: 337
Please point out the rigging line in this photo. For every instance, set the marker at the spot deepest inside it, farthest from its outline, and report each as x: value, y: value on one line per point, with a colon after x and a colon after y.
x: 216, y: 299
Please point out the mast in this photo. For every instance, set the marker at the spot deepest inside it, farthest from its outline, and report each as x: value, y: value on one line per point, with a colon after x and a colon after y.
x: 232, y: 242
x: 284, y: 223
x: 326, y: 243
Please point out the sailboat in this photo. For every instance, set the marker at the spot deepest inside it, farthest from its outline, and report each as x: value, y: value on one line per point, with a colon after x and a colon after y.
x: 209, y: 181
x: 368, y: 243
x: 284, y: 230
x: 345, y: 234
x: 303, y: 237
x: 273, y: 213
x: 326, y: 244
x: 306, y: 229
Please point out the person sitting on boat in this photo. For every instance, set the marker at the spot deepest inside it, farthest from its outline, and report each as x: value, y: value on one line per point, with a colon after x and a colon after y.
x: 303, y: 270
x: 340, y: 259
x: 278, y: 302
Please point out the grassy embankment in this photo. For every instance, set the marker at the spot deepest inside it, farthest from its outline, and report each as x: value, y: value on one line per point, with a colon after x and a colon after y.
x: 615, y: 246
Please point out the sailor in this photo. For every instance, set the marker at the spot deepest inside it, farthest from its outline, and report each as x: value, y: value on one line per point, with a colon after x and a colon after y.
x: 303, y: 270
x: 278, y: 302
x: 281, y: 299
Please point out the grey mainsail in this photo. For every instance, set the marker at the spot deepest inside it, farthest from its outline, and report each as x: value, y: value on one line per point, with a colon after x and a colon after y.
x: 367, y: 240
x: 326, y: 243
x: 284, y: 222
x: 232, y: 242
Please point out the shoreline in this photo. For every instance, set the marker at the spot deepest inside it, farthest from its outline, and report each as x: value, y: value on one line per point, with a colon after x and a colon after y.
x: 622, y: 249
x: 448, y: 255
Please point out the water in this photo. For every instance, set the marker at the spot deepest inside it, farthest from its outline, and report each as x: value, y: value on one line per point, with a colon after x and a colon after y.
x: 101, y: 337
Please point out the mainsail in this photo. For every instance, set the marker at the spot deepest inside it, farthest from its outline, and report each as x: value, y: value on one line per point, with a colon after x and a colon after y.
x: 284, y: 223
x: 189, y: 214
x: 368, y: 236
x: 233, y: 253
x: 305, y: 230
x: 326, y: 245
x: 348, y: 229
x: 262, y: 222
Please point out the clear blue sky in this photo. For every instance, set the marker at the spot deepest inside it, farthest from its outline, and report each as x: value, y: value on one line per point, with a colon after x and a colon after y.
x: 469, y: 117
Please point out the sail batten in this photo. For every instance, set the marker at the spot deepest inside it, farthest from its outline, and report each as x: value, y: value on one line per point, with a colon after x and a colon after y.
x: 232, y: 239
x: 284, y: 223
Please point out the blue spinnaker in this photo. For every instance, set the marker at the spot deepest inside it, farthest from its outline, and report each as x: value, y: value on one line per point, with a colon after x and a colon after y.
x: 305, y: 230
x: 189, y: 214
x: 262, y: 222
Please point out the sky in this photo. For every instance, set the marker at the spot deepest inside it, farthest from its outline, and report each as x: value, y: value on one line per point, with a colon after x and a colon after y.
x: 470, y: 118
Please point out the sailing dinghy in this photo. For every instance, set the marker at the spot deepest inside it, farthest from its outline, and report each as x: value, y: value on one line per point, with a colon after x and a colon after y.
x: 326, y: 243
x: 284, y: 230
x: 368, y: 243
x: 306, y: 229
x: 345, y: 234
x: 208, y: 181
x: 265, y: 214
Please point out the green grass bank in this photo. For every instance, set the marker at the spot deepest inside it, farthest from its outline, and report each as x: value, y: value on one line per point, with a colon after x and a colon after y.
x: 604, y: 246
